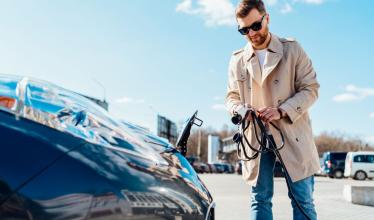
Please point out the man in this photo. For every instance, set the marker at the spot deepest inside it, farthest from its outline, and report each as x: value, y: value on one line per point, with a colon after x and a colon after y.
x: 275, y: 77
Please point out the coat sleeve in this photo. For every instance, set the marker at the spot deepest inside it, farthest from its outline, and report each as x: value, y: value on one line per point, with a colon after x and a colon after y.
x: 233, y: 102
x: 306, y: 87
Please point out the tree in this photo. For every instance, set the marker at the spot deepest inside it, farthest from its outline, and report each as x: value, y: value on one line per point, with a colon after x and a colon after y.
x: 339, y: 142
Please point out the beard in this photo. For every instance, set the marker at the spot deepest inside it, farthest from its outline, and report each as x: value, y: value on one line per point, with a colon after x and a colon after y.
x: 260, y: 37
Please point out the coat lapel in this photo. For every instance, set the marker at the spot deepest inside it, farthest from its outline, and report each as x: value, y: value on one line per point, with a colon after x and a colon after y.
x: 274, y: 55
x: 252, y: 64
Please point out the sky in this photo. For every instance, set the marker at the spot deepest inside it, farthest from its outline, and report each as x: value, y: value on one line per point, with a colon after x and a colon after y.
x: 170, y: 57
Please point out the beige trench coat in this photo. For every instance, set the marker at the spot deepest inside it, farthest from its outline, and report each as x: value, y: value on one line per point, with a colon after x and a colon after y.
x: 288, y: 81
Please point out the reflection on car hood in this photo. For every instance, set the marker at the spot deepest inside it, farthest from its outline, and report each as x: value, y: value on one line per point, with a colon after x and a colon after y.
x: 69, y: 112
x: 147, y: 136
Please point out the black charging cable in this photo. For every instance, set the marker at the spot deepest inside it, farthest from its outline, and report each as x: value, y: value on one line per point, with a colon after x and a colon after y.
x: 266, y: 144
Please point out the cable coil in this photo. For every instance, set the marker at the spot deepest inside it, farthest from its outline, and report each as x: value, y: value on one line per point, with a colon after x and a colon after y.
x: 266, y: 144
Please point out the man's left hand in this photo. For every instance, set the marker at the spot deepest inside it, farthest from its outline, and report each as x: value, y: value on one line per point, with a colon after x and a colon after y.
x: 269, y: 114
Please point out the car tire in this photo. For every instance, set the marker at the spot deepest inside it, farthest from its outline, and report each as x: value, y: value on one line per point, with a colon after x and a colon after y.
x: 338, y: 174
x: 360, y: 175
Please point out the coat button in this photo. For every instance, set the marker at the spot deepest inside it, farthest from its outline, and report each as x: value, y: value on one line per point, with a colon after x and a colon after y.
x: 298, y: 109
x: 276, y: 81
x: 297, y: 139
x: 279, y: 101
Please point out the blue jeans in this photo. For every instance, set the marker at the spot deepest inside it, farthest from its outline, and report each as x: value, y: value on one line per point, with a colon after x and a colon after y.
x: 262, y: 193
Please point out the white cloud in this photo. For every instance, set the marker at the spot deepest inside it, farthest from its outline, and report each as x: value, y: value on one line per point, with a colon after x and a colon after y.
x: 353, y: 93
x: 271, y: 2
x: 346, y: 97
x: 365, y: 92
x: 186, y: 7
x: 125, y: 100
x: 287, y: 8
x: 222, y: 12
x: 214, y: 12
x: 371, y: 115
x: 218, y: 107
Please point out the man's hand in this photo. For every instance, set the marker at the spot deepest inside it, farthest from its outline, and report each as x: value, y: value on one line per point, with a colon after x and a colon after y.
x: 249, y: 117
x: 269, y: 114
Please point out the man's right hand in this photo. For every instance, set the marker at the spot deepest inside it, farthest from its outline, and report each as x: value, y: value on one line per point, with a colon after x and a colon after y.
x: 249, y: 117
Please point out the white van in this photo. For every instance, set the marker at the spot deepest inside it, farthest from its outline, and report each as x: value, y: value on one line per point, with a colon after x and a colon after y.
x: 359, y: 165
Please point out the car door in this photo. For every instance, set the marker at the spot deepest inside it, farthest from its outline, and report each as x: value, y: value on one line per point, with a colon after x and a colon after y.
x: 359, y: 163
x: 370, y: 167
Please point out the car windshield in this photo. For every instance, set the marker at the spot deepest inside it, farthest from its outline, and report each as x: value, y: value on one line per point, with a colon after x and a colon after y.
x: 326, y: 156
x: 338, y: 156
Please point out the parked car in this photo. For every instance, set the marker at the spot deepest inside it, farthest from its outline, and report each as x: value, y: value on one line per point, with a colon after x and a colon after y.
x: 219, y: 167
x: 232, y: 168
x: 192, y: 159
x: 333, y: 164
x: 63, y: 157
x: 238, y: 168
x: 196, y: 166
x: 212, y: 168
x: 277, y: 169
x: 359, y: 165
x: 201, y: 167
x: 206, y: 168
x: 226, y: 167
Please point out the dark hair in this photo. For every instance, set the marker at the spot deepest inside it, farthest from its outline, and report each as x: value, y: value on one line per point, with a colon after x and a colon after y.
x: 245, y: 6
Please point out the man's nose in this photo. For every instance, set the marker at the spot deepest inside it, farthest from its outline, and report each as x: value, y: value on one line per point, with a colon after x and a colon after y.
x: 251, y: 33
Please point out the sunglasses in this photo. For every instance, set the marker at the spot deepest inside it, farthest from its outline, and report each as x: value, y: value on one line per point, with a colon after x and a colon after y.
x: 256, y: 26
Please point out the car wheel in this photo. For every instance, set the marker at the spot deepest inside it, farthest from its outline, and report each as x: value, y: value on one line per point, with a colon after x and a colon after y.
x: 338, y: 174
x: 360, y: 175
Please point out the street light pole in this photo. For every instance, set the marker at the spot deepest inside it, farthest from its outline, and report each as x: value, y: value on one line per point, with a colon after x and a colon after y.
x: 199, y: 144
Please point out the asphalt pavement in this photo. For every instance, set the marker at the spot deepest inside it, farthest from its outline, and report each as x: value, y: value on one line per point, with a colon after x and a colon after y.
x: 231, y: 195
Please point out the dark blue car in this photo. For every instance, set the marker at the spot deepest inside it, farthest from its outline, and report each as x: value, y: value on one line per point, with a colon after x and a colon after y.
x: 334, y: 164
x: 64, y: 157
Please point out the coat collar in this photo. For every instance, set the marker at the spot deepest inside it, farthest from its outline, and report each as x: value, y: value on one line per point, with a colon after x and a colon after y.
x: 275, y: 45
x: 274, y: 55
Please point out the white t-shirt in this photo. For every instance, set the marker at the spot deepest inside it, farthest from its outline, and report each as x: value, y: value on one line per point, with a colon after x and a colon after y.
x: 261, y: 54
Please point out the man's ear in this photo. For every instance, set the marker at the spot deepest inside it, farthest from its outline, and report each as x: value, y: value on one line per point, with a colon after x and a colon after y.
x: 268, y: 18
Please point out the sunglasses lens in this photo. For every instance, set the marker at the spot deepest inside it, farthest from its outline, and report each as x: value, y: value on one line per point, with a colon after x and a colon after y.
x: 244, y: 31
x: 256, y: 26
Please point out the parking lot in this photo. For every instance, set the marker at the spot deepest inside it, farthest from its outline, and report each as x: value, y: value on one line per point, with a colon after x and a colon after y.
x: 231, y: 195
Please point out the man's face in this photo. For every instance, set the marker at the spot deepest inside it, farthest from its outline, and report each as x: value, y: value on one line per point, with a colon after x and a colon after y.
x: 257, y: 38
